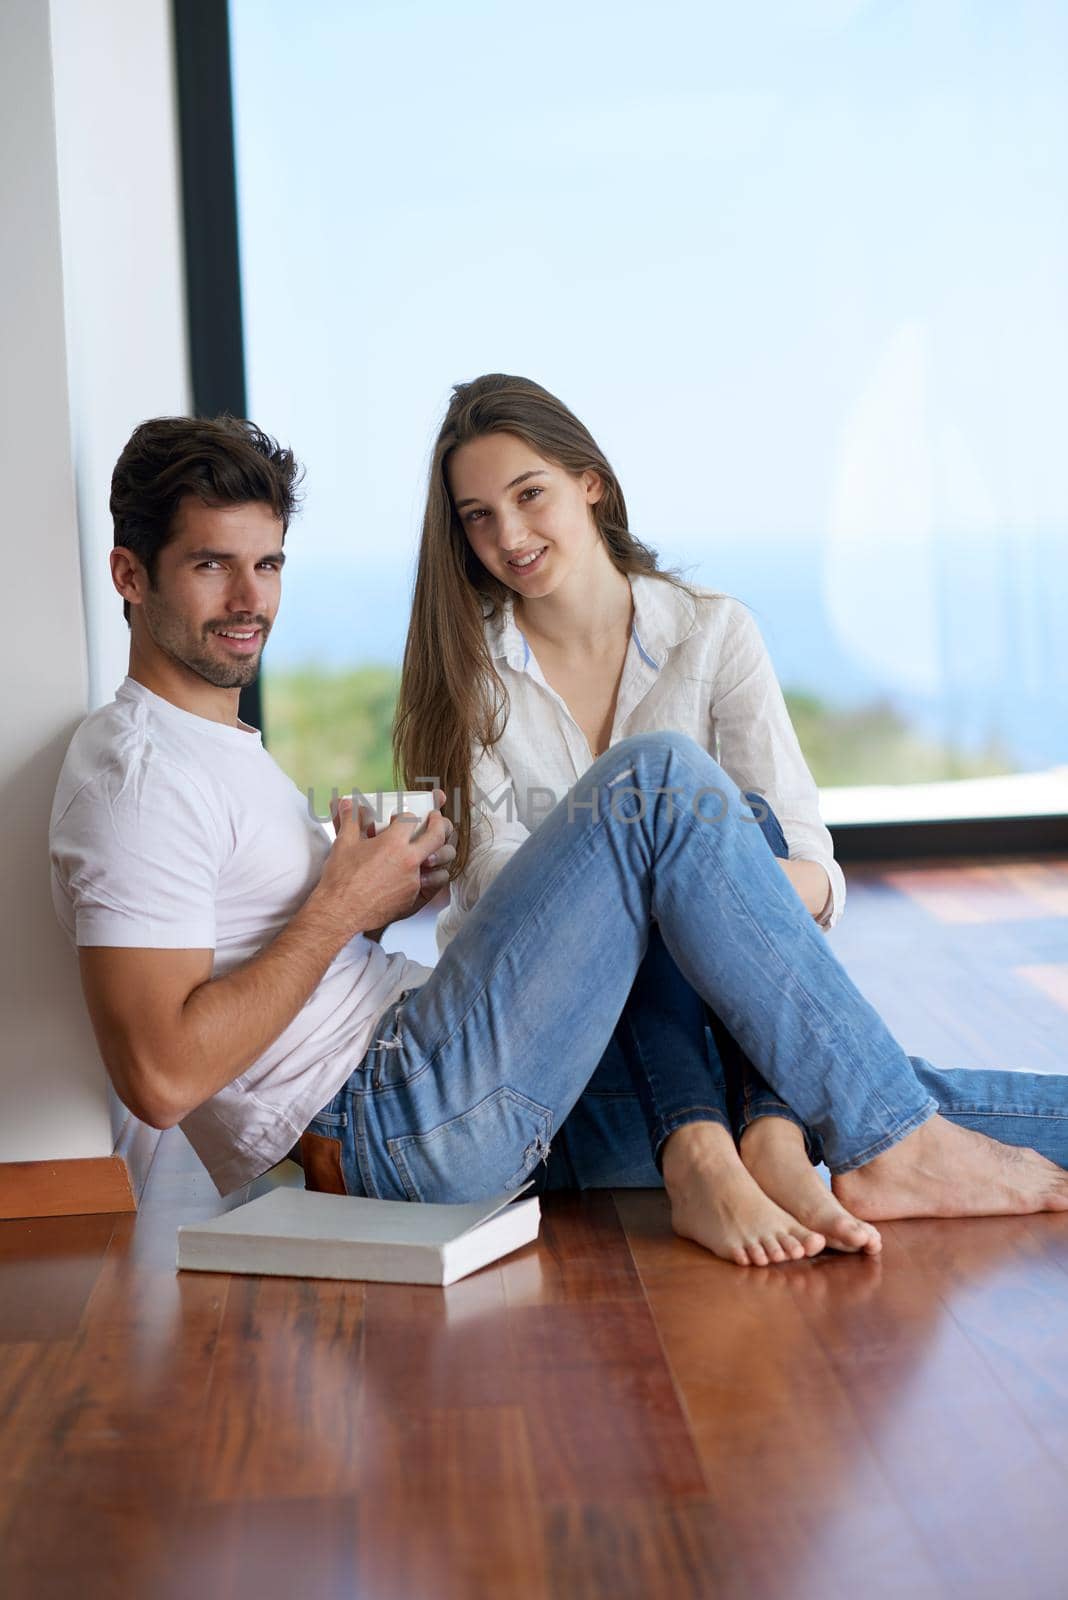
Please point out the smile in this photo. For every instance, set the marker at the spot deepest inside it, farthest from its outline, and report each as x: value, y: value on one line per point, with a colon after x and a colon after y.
x: 529, y: 562
x: 243, y: 640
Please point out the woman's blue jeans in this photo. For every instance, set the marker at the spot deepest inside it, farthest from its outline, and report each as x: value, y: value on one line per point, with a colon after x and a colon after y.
x: 683, y: 1064
x: 472, y: 1076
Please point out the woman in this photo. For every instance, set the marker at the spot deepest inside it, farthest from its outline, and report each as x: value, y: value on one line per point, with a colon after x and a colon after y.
x: 542, y: 631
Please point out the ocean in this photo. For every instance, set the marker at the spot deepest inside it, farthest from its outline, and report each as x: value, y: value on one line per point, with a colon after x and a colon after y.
x: 967, y: 640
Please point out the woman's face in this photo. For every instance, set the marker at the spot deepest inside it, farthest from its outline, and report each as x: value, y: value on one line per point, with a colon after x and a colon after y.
x: 528, y: 520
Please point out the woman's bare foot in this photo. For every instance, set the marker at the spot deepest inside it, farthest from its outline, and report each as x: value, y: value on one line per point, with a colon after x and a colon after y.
x: 773, y: 1152
x: 942, y: 1170
x: 716, y: 1203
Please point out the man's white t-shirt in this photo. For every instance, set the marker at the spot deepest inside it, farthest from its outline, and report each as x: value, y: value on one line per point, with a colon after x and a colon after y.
x: 172, y: 832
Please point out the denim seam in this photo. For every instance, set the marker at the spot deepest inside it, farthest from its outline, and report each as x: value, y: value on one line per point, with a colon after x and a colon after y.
x: 995, y: 1111
x: 772, y: 1106
x: 656, y: 1136
x: 360, y: 1147
x: 888, y: 1140
x: 715, y: 1113
x: 610, y: 1094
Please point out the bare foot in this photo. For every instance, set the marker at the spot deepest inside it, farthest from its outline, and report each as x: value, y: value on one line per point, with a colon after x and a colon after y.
x: 716, y: 1203
x: 773, y: 1152
x: 942, y: 1170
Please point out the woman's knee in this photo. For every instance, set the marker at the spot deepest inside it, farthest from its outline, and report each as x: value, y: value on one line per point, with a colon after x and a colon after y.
x: 653, y: 754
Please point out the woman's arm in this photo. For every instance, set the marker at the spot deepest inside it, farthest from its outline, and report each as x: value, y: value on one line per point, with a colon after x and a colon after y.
x: 755, y: 742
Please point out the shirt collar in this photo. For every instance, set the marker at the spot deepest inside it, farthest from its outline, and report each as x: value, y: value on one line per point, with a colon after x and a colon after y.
x: 664, y: 615
x: 504, y: 638
x: 241, y: 737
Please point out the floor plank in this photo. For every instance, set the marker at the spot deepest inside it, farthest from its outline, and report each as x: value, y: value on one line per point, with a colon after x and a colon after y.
x: 283, y: 1409
x: 48, y: 1266
x: 776, y: 1429
x: 953, y: 1444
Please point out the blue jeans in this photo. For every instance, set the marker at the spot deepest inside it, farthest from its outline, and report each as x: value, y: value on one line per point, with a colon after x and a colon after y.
x: 471, y: 1076
x: 671, y: 1042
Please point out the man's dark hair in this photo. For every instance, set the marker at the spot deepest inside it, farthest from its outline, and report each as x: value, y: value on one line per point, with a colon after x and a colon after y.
x: 224, y: 461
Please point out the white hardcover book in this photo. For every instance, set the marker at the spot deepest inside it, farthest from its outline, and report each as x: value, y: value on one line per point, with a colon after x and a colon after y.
x: 298, y: 1233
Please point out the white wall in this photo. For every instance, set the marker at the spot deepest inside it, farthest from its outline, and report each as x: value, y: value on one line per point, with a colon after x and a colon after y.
x: 120, y: 218
x: 81, y: 364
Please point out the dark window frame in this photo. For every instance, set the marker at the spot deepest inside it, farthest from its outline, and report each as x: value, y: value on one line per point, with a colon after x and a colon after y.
x: 204, y: 85
x: 217, y: 360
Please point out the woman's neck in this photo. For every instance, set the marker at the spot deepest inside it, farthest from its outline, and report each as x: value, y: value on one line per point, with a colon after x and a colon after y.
x: 588, y: 613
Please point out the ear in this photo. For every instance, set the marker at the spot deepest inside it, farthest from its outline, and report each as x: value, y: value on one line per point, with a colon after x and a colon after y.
x: 594, y: 485
x: 128, y: 575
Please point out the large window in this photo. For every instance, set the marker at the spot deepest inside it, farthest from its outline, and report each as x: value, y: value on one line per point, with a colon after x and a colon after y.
x: 801, y: 267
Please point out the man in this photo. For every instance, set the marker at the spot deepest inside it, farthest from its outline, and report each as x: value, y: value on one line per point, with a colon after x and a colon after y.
x: 231, y: 967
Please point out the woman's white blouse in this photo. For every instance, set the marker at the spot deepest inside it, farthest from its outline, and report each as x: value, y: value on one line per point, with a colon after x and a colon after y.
x: 695, y: 666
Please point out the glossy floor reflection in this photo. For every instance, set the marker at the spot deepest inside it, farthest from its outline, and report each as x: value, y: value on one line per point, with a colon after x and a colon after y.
x: 609, y: 1411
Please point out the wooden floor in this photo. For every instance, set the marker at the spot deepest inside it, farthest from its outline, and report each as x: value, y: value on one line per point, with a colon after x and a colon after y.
x: 610, y: 1412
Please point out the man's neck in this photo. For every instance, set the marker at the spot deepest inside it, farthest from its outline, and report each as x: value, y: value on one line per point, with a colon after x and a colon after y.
x: 175, y: 683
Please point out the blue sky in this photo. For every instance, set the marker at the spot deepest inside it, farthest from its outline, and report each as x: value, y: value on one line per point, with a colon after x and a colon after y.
x: 800, y: 266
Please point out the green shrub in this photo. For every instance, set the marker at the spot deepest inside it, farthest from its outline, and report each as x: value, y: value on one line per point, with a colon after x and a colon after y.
x: 331, y: 730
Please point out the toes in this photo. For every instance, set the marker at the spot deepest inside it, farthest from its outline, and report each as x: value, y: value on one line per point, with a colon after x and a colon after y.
x: 845, y: 1239
x: 793, y: 1246
x: 757, y: 1254
x: 813, y: 1243
x: 773, y: 1249
x: 739, y: 1256
x: 851, y: 1234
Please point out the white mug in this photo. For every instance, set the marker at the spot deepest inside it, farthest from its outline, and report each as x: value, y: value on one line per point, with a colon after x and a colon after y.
x: 417, y: 802
x: 385, y: 806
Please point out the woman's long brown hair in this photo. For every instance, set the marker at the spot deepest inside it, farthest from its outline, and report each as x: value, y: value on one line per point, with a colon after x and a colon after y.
x: 452, y: 700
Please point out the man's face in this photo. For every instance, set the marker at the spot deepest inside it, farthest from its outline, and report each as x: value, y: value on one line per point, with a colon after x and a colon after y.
x: 218, y: 587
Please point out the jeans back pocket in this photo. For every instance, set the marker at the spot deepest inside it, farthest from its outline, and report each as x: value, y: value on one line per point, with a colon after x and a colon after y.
x: 488, y: 1150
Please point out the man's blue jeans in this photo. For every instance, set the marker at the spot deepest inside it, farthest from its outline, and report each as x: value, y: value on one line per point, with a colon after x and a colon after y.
x: 472, y: 1075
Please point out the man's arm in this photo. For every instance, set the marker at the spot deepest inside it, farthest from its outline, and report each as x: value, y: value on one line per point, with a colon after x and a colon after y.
x: 171, y: 1036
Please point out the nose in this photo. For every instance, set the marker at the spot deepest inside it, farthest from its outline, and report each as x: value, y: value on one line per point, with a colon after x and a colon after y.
x: 244, y: 595
x: 511, y: 534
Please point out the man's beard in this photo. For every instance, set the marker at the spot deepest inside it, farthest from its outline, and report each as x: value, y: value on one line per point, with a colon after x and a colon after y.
x: 181, y: 644
x: 236, y: 674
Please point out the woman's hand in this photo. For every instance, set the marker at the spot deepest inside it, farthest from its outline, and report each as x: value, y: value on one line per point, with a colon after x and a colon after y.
x: 812, y: 884
x: 434, y: 875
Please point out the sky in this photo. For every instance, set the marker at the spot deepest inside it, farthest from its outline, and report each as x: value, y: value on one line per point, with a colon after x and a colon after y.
x: 801, y: 267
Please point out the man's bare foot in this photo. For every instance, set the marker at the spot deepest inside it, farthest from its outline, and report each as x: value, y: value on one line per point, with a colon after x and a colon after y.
x: 773, y: 1153
x: 716, y: 1203
x: 942, y: 1170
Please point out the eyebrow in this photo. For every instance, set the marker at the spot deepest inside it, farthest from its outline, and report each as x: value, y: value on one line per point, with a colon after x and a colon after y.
x: 277, y: 556
x: 535, y: 472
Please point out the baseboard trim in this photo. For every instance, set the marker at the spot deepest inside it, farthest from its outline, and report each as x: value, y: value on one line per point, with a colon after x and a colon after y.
x: 75, y: 1187
x: 137, y: 1145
